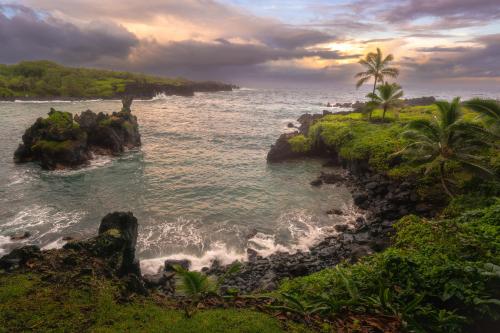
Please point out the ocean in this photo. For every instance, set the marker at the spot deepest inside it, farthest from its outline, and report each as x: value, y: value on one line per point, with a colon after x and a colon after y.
x: 199, y: 185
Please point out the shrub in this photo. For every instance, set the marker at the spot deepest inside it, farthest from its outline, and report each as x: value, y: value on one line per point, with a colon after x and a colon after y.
x: 300, y: 144
x: 446, y: 271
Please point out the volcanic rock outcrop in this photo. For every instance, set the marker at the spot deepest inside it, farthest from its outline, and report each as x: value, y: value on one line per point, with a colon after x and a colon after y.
x: 61, y: 141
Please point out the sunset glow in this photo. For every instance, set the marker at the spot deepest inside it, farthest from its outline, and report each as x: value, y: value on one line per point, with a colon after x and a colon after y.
x: 293, y: 40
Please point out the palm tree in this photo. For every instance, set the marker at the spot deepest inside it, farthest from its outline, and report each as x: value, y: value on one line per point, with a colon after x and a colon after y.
x: 377, y: 68
x: 489, y: 111
x: 387, y: 96
x: 195, y: 286
x: 447, y: 138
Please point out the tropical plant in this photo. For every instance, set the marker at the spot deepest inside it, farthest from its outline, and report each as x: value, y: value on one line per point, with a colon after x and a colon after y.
x: 387, y: 97
x: 489, y: 111
x: 293, y: 304
x: 377, y: 67
x: 446, y: 139
x: 194, y: 285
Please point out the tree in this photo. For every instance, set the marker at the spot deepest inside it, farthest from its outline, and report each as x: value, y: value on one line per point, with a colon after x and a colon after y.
x: 377, y: 68
x: 387, y: 97
x: 445, y: 139
x: 489, y: 111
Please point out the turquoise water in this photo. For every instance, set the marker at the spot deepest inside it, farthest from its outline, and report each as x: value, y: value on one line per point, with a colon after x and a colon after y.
x: 200, y: 185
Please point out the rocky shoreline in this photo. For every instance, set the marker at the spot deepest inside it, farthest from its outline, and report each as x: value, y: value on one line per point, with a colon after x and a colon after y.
x: 379, y: 202
x: 358, y: 106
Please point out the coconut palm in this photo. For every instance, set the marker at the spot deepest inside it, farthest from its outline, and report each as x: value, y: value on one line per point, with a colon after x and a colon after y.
x: 447, y: 138
x: 387, y: 97
x: 377, y: 67
x: 489, y: 111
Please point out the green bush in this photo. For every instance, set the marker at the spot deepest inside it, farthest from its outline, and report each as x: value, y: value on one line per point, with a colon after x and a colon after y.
x: 300, y: 144
x: 359, y: 140
x: 439, y: 276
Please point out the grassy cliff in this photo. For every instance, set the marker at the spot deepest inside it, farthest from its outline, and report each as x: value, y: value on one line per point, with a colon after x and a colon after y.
x: 46, y: 79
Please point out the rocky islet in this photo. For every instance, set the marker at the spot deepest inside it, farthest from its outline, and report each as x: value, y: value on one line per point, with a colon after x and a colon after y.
x: 63, y: 141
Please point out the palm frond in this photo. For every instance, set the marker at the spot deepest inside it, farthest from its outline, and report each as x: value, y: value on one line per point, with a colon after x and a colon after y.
x: 362, y: 81
x: 485, y: 107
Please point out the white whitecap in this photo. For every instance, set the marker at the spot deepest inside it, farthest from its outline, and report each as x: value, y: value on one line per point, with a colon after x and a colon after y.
x: 217, y: 251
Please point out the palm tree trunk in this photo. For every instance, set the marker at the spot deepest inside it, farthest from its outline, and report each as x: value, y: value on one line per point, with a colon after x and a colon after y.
x: 385, y: 110
x: 443, y: 182
x: 375, y: 84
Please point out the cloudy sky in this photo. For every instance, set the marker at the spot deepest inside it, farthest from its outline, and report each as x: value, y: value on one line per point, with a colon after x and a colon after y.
x: 261, y: 42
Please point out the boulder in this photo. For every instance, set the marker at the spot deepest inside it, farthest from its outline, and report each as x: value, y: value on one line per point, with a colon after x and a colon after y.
x: 359, y: 198
x: 316, y: 182
x: 335, y: 211
x: 282, y: 149
x: 115, y: 243
x: 18, y: 257
x: 170, y: 263
x: 341, y: 227
x: 127, y: 226
x: 20, y: 236
x: 330, y: 178
x: 87, y: 120
x: 306, y: 120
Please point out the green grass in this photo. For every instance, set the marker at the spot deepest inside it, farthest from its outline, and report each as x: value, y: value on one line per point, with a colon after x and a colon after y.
x: 357, y: 139
x: 28, y: 303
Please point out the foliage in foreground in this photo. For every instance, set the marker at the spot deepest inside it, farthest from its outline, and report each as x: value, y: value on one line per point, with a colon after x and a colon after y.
x: 445, y: 140
x: 30, y: 304
x: 439, y: 276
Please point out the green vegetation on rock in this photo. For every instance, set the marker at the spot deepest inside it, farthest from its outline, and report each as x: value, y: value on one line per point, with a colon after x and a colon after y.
x: 48, y: 79
x: 375, y: 143
x: 300, y: 143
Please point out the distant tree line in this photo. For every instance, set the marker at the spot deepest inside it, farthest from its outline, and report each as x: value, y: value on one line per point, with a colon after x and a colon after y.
x: 48, y: 79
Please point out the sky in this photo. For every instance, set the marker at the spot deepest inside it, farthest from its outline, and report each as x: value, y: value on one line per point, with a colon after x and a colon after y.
x: 261, y: 42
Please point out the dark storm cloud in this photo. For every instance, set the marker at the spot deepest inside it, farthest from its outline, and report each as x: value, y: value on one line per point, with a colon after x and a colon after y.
x: 290, y: 38
x: 413, y: 9
x: 193, y: 54
x: 442, y: 49
x: 24, y: 34
x: 228, y: 21
x: 475, y: 62
x: 28, y: 34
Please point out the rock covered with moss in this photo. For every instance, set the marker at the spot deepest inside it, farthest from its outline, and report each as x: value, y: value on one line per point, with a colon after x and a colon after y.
x: 112, y: 251
x: 56, y: 141
x: 61, y: 141
x: 296, y: 144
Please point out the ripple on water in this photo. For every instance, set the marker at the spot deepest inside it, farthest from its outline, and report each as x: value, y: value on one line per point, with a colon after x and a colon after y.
x: 199, y: 185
